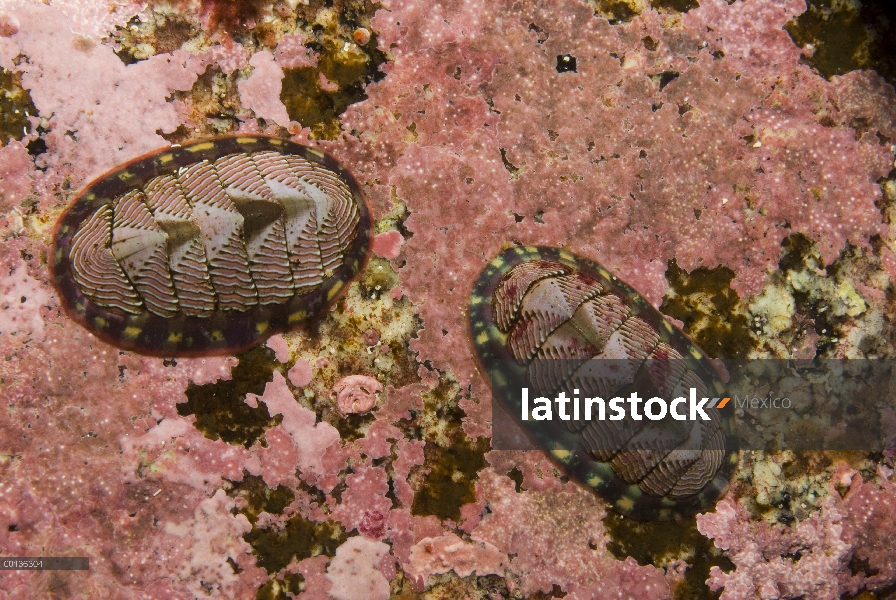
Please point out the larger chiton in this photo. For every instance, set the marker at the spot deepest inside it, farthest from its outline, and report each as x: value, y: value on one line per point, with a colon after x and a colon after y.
x: 210, y: 247
x: 550, y: 321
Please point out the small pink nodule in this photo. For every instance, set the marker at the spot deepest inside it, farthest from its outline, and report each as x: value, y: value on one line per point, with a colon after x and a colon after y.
x: 371, y: 337
x: 387, y: 244
x: 356, y: 394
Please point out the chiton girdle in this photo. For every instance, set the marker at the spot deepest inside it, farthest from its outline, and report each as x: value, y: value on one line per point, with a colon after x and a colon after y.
x: 527, y: 305
x: 224, y: 208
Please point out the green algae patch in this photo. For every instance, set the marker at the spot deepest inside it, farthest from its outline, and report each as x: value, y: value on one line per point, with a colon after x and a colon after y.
x: 517, y: 477
x: 710, y: 310
x: 220, y: 409
x: 823, y: 297
x: 845, y: 36
x: 452, y: 461
x: 693, y: 586
x: 378, y: 278
x: 259, y: 497
x: 681, y: 6
x: 440, y: 420
x: 317, y: 96
x: 299, y: 538
x: 658, y: 543
x: 618, y: 10
x: 275, y: 547
x: 623, y: 11
x: 278, y: 589
x: 212, y: 102
x: 351, y: 427
x: 158, y: 34
x: 448, y: 586
x: 450, y: 482
x: 556, y: 592
x: 15, y: 107
x: 838, y: 36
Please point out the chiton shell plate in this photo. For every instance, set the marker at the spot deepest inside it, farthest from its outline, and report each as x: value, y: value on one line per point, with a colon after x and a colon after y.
x: 210, y: 247
x: 542, y: 318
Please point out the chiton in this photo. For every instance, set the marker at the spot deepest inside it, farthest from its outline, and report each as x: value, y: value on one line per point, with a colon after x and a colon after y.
x: 550, y: 321
x: 210, y: 247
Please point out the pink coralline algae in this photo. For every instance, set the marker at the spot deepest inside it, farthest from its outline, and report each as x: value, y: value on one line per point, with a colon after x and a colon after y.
x: 261, y: 92
x: 212, y: 542
x: 311, y: 439
x: 356, y: 393
x: 448, y: 552
x: 558, y: 535
x: 871, y: 512
x: 92, y: 19
x: 812, y: 558
x: 280, y: 348
x: 227, y: 56
x: 353, y: 572
x: 293, y: 53
x: 764, y: 554
x: 102, y: 105
x: 701, y: 137
x: 300, y: 374
x: 364, y: 500
x: 160, y: 485
x: 387, y: 244
x: 20, y: 294
x: 200, y: 463
x: 742, y: 147
x: 15, y: 175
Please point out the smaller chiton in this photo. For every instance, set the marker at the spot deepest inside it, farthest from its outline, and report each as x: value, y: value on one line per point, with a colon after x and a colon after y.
x: 210, y: 247
x: 550, y: 321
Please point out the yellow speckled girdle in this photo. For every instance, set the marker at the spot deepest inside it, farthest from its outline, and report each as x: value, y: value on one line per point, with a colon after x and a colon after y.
x: 224, y: 332
x: 564, y: 447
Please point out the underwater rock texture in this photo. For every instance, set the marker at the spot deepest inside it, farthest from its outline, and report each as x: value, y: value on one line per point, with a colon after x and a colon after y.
x: 811, y: 558
x: 701, y: 137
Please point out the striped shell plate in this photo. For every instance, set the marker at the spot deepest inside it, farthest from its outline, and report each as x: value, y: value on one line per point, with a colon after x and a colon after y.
x: 211, y: 247
x: 537, y: 314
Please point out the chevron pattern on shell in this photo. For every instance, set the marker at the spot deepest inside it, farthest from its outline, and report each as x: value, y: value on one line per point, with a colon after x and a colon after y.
x: 554, y: 322
x: 240, y: 236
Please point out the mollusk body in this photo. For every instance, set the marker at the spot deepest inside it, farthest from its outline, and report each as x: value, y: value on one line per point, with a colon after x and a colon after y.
x: 550, y: 321
x: 211, y: 247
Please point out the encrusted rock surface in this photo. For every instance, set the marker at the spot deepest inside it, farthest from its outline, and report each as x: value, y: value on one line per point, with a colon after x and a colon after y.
x: 703, y: 137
